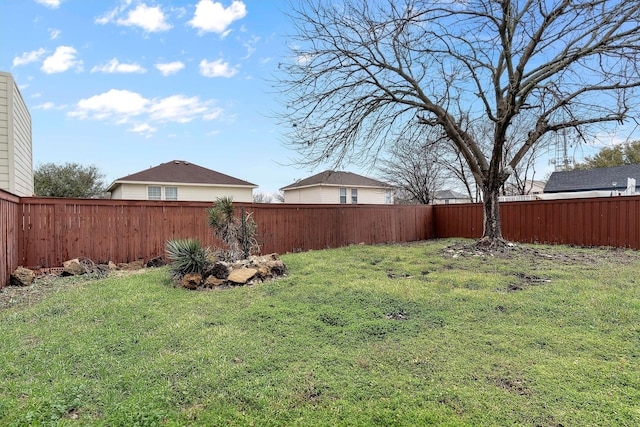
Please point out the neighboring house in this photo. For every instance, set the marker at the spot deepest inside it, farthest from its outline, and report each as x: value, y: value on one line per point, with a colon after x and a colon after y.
x: 16, y: 159
x: 449, y: 197
x: 338, y: 187
x: 180, y: 180
x: 597, y: 182
x: 532, y: 189
x: 534, y: 186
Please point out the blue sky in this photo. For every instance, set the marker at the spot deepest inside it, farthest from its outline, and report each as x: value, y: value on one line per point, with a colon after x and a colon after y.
x: 128, y: 84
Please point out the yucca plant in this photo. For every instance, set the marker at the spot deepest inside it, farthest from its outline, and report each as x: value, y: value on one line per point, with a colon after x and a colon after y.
x: 186, y: 256
x: 238, y: 234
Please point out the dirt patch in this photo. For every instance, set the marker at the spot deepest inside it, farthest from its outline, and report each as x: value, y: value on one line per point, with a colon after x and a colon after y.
x: 578, y: 255
x: 525, y: 280
x: 399, y: 315
x: 513, y: 385
x: 15, y: 296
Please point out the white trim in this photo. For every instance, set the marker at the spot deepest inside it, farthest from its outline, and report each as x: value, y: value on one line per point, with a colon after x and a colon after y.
x: 172, y: 183
x: 335, y: 185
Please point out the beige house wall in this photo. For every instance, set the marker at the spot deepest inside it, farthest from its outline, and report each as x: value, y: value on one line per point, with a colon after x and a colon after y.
x: 192, y: 193
x: 16, y: 158
x: 308, y: 195
x: 329, y: 194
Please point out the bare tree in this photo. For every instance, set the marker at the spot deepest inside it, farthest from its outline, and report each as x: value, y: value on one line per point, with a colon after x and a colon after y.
x: 262, y: 198
x: 413, y: 170
x: 367, y: 72
x: 268, y: 197
x: 279, y: 197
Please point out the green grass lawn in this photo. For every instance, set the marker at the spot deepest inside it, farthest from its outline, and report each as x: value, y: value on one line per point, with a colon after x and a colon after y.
x: 365, y: 335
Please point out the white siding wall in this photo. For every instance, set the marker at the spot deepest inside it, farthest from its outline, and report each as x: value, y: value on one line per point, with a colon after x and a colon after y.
x: 22, y: 154
x: 327, y: 194
x: 209, y: 194
x: 116, y: 193
x: 192, y: 193
x: 16, y: 159
x: 307, y: 195
x: 4, y: 132
x: 370, y: 196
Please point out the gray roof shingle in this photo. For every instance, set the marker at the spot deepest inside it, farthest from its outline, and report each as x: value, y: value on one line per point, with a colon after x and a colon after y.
x: 182, y: 172
x: 337, y: 178
x: 592, y: 179
x: 450, y: 194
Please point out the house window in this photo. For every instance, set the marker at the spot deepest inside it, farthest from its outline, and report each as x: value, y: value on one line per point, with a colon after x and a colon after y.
x: 154, y: 193
x: 387, y: 197
x: 354, y: 195
x: 343, y: 195
x: 171, y: 193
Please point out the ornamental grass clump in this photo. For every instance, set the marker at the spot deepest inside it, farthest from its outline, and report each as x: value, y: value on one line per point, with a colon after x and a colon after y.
x: 187, y: 256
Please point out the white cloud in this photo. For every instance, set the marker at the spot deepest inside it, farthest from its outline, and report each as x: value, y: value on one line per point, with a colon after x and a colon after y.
x: 143, y: 129
x: 178, y: 108
x: 114, y: 66
x: 28, y: 57
x: 49, y: 106
x: 216, y: 69
x: 126, y: 107
x: 115, y: 103
x: 304, y: 59
x: 111, y: 15
x: 213, y: 17
x: 54, y: 33
x: 53, y: 4
x: 45, y: 106
x: 151, y: 19
x: 169, y: 68
x: 251, y: 46
x: 63, y: 59
x: 213, y: 114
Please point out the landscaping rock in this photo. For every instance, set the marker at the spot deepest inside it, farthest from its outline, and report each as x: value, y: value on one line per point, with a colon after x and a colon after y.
x: 221, y: 274
x: 22, y: 277
x: 191, y: 280
x: 212, y: 282
x: 241, y: 276
x: 73, y: 267
x: 219, y: 270
x: 155, y: 262
x: 277, y: 268
x: 134, y: 265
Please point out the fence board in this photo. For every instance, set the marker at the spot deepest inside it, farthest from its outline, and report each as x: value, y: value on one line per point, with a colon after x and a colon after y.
x: 9, y: 235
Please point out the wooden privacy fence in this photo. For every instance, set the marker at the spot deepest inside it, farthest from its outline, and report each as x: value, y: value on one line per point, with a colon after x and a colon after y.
x: 9, y: 234
x: 55, y: 230
x: 47, y: 231
x: 607, y: 221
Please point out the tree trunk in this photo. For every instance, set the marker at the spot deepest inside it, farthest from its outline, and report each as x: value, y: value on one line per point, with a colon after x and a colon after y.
x: 492, y: 233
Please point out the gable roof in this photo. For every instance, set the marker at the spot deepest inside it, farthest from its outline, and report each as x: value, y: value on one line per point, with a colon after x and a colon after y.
x: 181, y: 172
x: 592, y: 179
x: 337, y: 178
x: 450, y: 194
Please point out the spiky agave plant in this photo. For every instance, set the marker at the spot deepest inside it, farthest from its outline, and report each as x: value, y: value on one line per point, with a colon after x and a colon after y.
x: 187, y: 256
